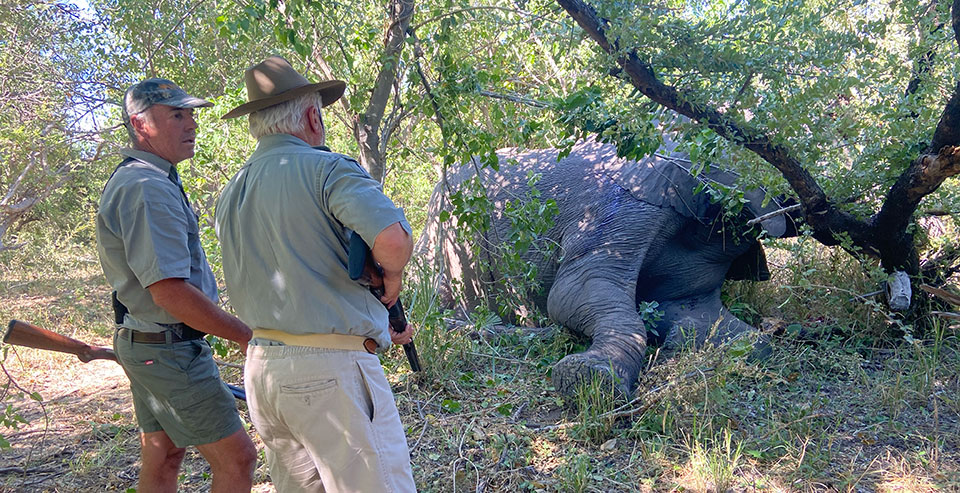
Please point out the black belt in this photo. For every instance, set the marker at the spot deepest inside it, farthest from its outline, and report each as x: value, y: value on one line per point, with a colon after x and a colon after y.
x: 181, y: 333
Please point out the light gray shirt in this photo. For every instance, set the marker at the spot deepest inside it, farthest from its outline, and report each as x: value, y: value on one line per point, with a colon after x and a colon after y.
x: 147, y: 232
x: 283, y: 222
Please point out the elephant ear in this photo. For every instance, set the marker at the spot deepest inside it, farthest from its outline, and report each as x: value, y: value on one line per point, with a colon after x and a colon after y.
x: 750, y: 265
x: 661, y: 179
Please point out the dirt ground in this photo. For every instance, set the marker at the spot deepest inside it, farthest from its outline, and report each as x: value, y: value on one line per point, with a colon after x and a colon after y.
x: 83, y: 437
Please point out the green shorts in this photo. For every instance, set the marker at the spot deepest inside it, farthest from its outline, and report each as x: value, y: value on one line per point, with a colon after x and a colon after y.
x: 177, y: 389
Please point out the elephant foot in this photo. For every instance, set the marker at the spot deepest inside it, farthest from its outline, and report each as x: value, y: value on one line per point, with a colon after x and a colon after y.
x: 728, y: 332
x: 581, y: 369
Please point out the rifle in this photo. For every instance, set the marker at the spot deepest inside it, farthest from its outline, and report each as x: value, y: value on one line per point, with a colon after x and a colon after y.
x: 363, y: 269
x: 29, y: 335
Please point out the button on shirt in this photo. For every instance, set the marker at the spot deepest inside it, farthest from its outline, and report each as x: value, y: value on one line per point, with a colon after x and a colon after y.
x: 283, y: 224
x: 147, y: 232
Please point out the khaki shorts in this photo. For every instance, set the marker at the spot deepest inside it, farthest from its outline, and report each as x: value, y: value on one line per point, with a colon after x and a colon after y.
x: 177, y: 389
x: 328, y: 419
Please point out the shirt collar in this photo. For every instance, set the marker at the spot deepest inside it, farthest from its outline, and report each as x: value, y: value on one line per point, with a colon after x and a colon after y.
x: 268, y: 142
x: 148, y: 157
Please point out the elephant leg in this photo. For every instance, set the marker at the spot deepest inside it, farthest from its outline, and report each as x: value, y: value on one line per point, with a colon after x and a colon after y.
x: 594, y: 295
x: 693, y: 321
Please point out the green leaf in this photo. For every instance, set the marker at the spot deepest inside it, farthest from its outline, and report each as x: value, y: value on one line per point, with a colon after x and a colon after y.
x: 450, y: 405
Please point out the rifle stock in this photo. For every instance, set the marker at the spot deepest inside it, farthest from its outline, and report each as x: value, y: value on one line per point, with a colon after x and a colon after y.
x: 29, y: 335
x: 363, y: 269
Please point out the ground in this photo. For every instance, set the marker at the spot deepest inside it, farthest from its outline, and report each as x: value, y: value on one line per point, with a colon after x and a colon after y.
x: 826, y: 412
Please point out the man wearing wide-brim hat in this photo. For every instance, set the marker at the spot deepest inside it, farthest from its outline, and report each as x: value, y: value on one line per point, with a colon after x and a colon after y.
x: 317, y: 393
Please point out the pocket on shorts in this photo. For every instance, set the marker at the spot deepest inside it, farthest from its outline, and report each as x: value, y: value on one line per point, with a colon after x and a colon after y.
x: 186, y: 354
x: 375, y: 384
x: 309, y: 386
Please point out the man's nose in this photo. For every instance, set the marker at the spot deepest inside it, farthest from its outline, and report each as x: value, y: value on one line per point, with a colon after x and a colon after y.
x: 191, y: 121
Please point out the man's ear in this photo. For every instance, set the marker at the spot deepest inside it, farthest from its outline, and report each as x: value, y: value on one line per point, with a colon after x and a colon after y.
x: 313, y: 118
x: 138, y: 122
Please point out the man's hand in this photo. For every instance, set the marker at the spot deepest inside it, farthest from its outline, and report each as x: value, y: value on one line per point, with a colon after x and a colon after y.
x: 404, y: 337
x: 391, y: 288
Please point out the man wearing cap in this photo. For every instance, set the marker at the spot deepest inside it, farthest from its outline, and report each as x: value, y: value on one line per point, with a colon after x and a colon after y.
x: 166, y: 298
x: 317, y: 393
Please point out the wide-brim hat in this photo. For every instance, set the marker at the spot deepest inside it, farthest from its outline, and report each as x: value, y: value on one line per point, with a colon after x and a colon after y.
x: 274, y: 81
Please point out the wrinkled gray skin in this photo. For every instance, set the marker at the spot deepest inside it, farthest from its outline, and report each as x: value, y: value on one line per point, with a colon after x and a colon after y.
x: 628, y: 232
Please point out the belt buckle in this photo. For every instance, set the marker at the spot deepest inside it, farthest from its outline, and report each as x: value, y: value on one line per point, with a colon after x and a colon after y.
x: 370, y: 345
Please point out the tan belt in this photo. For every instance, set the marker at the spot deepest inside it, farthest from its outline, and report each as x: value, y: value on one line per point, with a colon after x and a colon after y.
x: 326, y: 341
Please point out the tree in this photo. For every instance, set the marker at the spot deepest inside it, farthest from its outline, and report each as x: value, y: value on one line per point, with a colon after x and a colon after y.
x: 49, y: 105
x: 817, y: 90
x: 361, y: 42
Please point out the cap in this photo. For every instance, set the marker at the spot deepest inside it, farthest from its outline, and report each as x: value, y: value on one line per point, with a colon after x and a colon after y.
x: 144, y: 94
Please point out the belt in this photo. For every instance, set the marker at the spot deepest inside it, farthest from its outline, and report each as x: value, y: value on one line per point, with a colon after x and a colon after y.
x: 165, y: 337
x: 326, y: 341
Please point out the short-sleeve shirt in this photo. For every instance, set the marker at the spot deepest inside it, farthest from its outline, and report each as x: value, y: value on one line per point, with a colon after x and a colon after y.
x: 283, y: 222
x: 147, y: 232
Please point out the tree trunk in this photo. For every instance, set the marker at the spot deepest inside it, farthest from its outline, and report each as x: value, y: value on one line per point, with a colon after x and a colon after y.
x: 367, y: 127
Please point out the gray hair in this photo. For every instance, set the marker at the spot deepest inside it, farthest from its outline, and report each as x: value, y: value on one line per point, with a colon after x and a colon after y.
x: 284, y: 118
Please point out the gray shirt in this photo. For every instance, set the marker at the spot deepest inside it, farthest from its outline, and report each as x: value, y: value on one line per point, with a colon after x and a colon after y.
x: 283, y: 222
x: 147, y: 232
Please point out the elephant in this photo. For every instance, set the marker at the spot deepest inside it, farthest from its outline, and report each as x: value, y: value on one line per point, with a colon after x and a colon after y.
x: 627, y: 232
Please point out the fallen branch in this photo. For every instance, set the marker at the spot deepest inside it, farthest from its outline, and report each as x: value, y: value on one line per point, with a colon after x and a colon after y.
x: 950, y: 315
x: 25, y: 470
x: 943, y: 294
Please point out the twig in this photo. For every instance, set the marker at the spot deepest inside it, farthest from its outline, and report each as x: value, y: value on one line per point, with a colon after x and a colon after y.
x: 946, y: 295
x: 785, y: 425
x: 43, y: 408
x: 863, y: 297
x: 149, y: 62
x: 780, y: 212
x: 950, y: 315
x: 514, y: 99
x: 512, y: 360
x: 24, y: 470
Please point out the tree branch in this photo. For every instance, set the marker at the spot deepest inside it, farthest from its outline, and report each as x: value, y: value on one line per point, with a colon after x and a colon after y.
x: 515, y: 99
x: 922, y: 177
x: 826, y: 220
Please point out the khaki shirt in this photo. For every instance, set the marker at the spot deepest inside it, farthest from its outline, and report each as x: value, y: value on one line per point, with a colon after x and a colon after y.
x: 283, y: 222
x: 147, y: 232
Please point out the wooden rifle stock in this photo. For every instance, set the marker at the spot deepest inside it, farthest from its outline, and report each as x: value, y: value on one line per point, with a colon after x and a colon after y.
x: 363, y: 269
x: 29, y: 335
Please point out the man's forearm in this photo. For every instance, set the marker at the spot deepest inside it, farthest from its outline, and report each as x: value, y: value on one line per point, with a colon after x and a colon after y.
x: 392, y: 249
x: 189, y: 305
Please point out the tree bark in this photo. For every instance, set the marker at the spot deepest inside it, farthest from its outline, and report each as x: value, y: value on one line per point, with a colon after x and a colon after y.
x: 367, y: 126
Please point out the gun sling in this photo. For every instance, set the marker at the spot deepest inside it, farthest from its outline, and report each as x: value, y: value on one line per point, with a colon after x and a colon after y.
x: 326, y: 341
